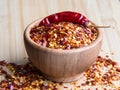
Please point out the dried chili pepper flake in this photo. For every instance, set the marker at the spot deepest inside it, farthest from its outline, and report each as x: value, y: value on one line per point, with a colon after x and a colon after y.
x: 118, y: 69
x: 3, y: 84
x: 32, y: 79
x: 102, y: 77
x: 65, y: 87
x: 78, y: 86
x: 3, y: 63
x: 60, y: 35
x: 2, y: 72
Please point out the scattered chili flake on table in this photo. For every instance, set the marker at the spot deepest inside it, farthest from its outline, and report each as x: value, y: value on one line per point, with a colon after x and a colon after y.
x: 63, y: 35
x: 26, y: 77
x: 103, y: 72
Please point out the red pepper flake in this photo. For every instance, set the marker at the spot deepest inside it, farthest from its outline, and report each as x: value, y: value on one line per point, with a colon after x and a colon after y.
x: 25, y: 77
x: 78, y: 86
x: 63, y: 35
x: 65, y: 87
x: 105, y: 89
x: 118, y: 69
x: 112, y: 53
x: 3, y: 63
x: 97, y: 76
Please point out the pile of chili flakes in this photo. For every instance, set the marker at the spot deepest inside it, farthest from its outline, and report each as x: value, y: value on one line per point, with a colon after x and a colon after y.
x: 63, y: 35
x: 104, y: 72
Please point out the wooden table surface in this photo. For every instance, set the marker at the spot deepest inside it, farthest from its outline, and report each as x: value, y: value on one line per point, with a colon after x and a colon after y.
x: 15, y: 15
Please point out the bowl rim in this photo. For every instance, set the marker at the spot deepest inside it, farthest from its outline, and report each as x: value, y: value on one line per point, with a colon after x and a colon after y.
x: 35, y: 45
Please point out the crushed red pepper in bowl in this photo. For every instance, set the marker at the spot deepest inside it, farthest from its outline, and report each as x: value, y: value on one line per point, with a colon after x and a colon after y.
x: 63, y: 35
x: 53, y: 42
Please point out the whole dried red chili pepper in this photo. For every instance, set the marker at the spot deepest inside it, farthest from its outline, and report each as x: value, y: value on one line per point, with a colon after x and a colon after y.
x: 68, y: 16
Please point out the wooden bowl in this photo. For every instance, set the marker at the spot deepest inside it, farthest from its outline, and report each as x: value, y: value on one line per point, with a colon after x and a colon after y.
x: 61, y: 65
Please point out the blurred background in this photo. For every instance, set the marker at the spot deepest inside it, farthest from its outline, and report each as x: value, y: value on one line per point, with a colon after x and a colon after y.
x: 15, y: 15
